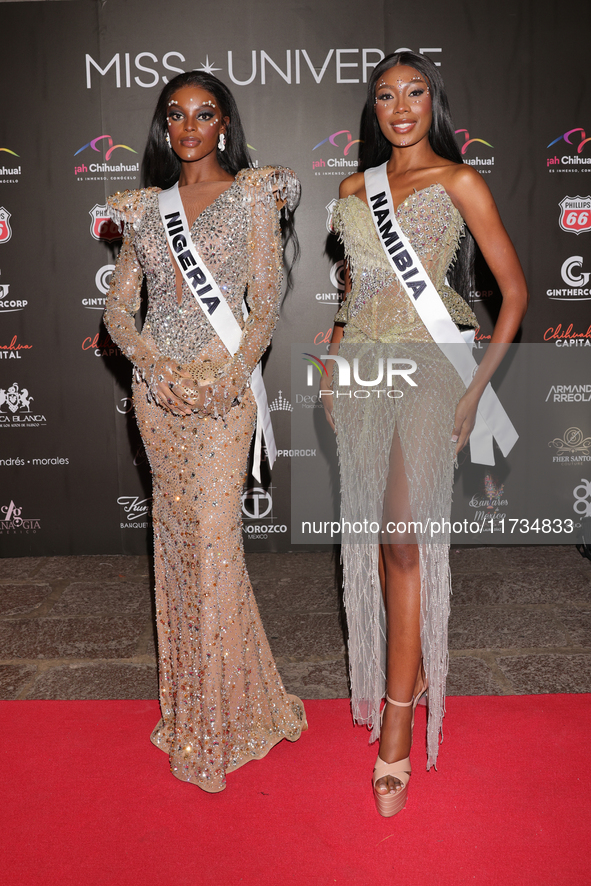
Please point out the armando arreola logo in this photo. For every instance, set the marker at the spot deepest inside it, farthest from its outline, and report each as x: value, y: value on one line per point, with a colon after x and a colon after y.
x: 395, y: 368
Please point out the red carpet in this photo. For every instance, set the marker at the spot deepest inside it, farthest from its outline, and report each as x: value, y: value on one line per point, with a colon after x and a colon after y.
x: 87, y: 800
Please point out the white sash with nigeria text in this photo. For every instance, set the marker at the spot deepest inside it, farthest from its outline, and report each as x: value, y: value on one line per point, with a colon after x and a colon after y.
x: 215, y: 307
x: 491, y: 419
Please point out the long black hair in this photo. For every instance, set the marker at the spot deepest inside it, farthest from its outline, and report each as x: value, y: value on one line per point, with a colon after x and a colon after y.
x: 375, y: 148
x: 161, y: 167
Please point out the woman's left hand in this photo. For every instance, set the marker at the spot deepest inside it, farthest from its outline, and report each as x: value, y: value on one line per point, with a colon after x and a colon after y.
x: 465, y: 419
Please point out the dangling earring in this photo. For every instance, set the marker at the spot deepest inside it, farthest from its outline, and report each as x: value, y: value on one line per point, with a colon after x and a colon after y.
x: 222, y: 143
x: 167, y: 137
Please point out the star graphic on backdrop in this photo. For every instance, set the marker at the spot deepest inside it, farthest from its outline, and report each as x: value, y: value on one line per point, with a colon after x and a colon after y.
x: 208, y: 67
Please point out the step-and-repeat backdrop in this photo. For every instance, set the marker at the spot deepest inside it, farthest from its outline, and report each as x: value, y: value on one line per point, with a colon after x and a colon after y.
x: 80, y: 81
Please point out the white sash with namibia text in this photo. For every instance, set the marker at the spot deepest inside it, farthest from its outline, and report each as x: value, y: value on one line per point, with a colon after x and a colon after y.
x: 491, y: 419
x: 215, y: 307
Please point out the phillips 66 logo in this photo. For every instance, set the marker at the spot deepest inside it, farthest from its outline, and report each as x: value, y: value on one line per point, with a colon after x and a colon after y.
x: 5, y: 229
x: 575, y: 214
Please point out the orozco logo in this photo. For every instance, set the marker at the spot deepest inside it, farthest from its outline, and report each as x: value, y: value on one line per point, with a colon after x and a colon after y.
x: 256, y: 503
x: 575, y: 214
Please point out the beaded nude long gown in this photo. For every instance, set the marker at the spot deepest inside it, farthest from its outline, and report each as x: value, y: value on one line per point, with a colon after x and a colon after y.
x: 221, y: 697
x: 381, y: 322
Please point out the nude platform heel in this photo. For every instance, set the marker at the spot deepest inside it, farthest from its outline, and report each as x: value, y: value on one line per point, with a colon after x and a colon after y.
x: 394, y: 801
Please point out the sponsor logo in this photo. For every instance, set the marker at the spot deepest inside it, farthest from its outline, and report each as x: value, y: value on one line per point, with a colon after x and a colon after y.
x: 481, y: 294
x: 297, y: 453
x: 489, y: 504
x: 569, y: 337
x: 575, y: 215
x: 293, y: 66
x: 126, y: 405
x: 572, y: 448
x: 101, y: 345
x: 256, y: 503
x: 13, y: 521
x: 9, y: 305
x: 337, y: 154
x: 136, y: 510
x: 102, y: 281
x: 8, y: 173
x: 102, y: 226
x: 337, y: 279
x: 576, y: 281
x: 13, y: 350
x: 570, y: 162
x: 106, y: 169
x: 37, y: 462
x: 484, y: 164
x: 15, y: 409
x: 582, y: 496
x: 280, y: 404
x: 569, y: 394
x: 396, y: 369
x: 5, y: 229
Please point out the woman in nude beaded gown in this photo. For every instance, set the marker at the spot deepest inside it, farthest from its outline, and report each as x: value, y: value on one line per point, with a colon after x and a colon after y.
x: 397, y: 455
x: 222, y: 700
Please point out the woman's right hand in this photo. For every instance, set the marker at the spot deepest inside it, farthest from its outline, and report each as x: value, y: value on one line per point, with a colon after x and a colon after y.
x: 169, y: 390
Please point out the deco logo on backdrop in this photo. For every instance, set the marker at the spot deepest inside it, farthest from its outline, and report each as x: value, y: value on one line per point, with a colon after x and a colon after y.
x: 5, y: 229
x: 575, y: 214
x: 576, y: 281
x: 103, y: 171
x: 8, y: 174
x: 573, y: 448
x: 15, y: 409
x: 293, y: 67
x: 571, y: 162
x: 136, y: 510
x: 9, y: 305
x: 13, y: 522
x: 102, y: 226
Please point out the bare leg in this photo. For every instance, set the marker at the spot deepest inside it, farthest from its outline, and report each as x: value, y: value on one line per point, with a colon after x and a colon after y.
x: 401, y: 585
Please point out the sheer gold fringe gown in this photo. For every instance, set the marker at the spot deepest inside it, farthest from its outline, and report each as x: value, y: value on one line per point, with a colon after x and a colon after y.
x: 221, y: 697
x: 381, y: 322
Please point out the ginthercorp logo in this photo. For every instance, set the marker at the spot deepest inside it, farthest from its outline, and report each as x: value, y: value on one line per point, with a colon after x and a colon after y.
x: 7, y: 304
x: 13, y: 522
x: 5, y: 229
x: 16, y: 411
x: 396, y: 369
x: 336, y: 156
x: 337, y: 279
x: 576, y: 281
x: 102, y: 226
x: 9, y: 170
x: 483, y: 163
x: 575, y: 214
x: 88, y: 168
x: 571, y: 145
x: 572, y: 448
x: 102, y: 281
x: 136, y: 510
x: 582, y: 496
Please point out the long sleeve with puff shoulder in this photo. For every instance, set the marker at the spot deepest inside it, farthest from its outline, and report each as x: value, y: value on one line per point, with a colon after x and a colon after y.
x: 238, y: 237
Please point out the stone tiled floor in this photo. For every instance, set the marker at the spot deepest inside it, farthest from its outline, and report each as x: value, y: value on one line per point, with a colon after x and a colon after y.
x: 82, y: 627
